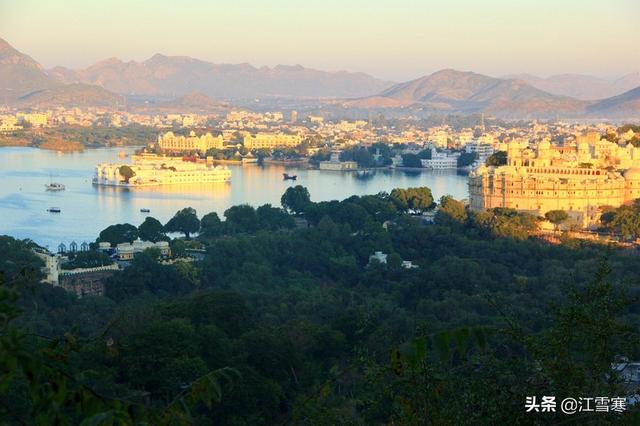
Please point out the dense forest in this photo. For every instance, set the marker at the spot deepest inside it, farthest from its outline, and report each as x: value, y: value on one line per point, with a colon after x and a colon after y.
x: 289, y: 320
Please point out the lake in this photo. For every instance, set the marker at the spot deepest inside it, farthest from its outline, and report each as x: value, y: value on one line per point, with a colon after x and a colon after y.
x: 87, y: 209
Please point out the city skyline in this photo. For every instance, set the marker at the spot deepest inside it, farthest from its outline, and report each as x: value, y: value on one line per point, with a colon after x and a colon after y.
x: 397, y: 44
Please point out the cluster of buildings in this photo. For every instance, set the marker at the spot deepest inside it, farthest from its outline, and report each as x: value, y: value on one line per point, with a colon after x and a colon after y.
x: 11, y: 121
x: 579, y: 177
x: 90, y: 281
x: 169, y: 142
x: 271, y: 141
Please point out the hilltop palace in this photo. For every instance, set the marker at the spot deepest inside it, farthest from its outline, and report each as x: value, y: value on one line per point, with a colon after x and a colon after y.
x: 578, y: 178
x: 154, y: 170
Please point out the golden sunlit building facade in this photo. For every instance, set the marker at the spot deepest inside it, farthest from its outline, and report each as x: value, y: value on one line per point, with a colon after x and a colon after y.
x: 169, y: 142
x: 579, y: 180
x: 271, y: 140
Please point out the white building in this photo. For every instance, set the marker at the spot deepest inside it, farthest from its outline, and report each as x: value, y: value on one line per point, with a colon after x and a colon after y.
x: 51, y: 267
x: 441, y: 160
x: 151, y: 170
x: 482, y: 150
x: 335, y: 164
x: 378, y: 256
x: 126, y: 251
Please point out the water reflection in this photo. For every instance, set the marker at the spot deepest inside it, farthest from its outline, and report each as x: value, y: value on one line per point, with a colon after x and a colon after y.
x: 87, y: 209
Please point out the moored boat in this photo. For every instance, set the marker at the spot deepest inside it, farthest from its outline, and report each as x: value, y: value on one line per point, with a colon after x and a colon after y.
x: 54, y: 186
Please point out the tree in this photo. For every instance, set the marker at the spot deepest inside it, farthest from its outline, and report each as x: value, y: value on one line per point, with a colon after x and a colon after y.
x: 412, y: 199
x: 467, y: 158
x: 556, y: 217
x: 360, y: 155
x: 185, y: 221
x: 126, y: 172
x: 178, y: 248
x: 151, y: 230
x: 505, y: 222
x: 242, y: 218
x: 451, y: 212
x: 498, y: 158
x: 211, y: 225
x: 625, y: 222
x: 425, y: 154
x: 295, y: 199
x: 273, y: 218
x: 378, y: 206
x: 118, y: 234
x: 411, y: 160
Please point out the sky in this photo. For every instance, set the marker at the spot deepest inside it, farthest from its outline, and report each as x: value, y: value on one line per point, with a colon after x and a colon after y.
x: 395, y: 40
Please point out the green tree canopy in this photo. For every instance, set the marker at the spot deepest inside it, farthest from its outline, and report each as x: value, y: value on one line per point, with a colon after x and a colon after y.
x: 120, y: 233
x: 151, y: 230
x: 556, y: 217
x: 295, y: 199
x: 451, y: 211
x: 498, y: 158
x: 467, y: 158
x: 273, y: 218
x: 241, y: 218
x: 126, y: 172
x: 211, y: 225
x: 412, y: 199
x: 425, y: 154
x: 411, y: 160
x: 185, y: 221
x: 360, y: 155
x: 624, y: 221
x: 506, y: 223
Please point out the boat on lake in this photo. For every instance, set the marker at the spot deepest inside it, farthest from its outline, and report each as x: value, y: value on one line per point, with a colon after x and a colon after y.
x: 287, y: 176
x: 54, y: 186
x: 145, y: 210
x: 54, y: 210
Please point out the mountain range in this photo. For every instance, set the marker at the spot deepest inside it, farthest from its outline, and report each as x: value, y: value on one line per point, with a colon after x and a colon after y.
x: 163, y: 75
x: 451, y: 91
x: 164, y: 83
x: 584, y: 87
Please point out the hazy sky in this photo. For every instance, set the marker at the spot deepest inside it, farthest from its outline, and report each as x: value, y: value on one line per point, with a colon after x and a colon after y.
x: 392, y: 39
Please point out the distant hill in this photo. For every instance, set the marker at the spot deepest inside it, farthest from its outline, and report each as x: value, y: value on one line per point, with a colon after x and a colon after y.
x: 584, y: 87
x: 71, y: 95
x: 173, y: 76
x: 626, y: 105
x: 19, y: 74
x: 467, y: 92
x: 191, y: 103
x: 24, y: 82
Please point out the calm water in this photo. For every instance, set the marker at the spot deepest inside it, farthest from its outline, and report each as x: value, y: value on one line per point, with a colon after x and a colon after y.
x: 87, y: 209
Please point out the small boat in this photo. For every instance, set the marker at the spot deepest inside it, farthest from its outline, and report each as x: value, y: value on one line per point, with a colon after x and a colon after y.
x: 53, y: 186
x: 145, y: 211
x: 287, y: 176
x: 54, y: 210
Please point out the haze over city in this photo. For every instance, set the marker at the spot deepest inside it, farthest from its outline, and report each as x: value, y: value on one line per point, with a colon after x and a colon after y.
x: 393, y: 40
x: 356, y: 212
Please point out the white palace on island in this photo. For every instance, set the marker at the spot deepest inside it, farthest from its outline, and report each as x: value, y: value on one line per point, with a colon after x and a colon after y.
x: 154, y: 170
x: 579, y: 178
